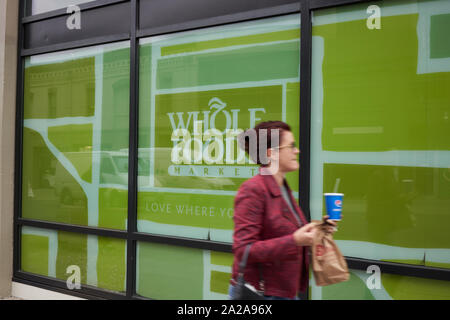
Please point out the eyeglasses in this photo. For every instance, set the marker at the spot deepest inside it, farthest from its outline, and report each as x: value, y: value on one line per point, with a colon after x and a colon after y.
x: 291, y: 146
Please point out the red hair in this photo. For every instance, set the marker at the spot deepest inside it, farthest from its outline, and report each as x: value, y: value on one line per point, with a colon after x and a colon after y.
x: 262, y: 130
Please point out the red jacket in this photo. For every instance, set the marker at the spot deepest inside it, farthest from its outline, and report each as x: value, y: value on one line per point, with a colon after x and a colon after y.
x: 262, y: 217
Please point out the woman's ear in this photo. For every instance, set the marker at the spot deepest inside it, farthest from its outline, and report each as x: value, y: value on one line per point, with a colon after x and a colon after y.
x: 271, y: 154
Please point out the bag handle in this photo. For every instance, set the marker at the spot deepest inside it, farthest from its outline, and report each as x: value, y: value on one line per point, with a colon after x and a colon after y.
x: 243, y: 262
x: 242, y: 265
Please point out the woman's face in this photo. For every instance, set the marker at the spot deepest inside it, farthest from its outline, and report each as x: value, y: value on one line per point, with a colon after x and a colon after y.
x: 288, y: 153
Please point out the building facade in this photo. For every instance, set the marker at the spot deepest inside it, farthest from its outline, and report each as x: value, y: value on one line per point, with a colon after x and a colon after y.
x: 120, y: 159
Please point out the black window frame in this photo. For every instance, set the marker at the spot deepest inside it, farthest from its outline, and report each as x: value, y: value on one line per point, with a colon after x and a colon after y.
x: 303, y: 7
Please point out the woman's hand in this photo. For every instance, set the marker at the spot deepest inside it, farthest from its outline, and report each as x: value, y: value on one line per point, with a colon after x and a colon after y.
x: 304, y: 236
x: 331, y: 226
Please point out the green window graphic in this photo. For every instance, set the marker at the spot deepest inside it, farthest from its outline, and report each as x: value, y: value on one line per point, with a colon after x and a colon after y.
x: 75, y: 161
x: 75, y: 144
x: 380, y: 109
x: 379, y: 134
x: 387, y: 287
x: 169, y: 272
x: 224, y: 78
x: 101, y: 261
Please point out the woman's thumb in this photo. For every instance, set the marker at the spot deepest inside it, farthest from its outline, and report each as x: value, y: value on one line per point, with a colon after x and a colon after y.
x: 310, y: 227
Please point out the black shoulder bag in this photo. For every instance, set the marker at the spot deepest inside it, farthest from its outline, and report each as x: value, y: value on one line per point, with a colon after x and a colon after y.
x: 243, y: 290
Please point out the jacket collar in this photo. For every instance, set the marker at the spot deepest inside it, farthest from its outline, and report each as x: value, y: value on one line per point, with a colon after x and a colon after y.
x: 271, y: 184
x: 274, y: 189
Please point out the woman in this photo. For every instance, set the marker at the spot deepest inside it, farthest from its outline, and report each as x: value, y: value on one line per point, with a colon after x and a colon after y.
x: 267, y: 216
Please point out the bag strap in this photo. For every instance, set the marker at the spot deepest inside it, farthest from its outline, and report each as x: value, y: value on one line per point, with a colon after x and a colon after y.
x: 243, y: 263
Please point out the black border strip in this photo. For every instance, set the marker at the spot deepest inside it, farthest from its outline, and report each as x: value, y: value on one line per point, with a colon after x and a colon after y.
x: 183, y: 242
x: 305, y: 112
x: 407, y: 270
x: 121, y: 234
x: 18, y: 143
x: 138, y: 297
x: 131, y: 235
x: 305, y: 108
x: 221, y: 20
x: 76, y: 44
x: 133, y: 150
x: 62, y: 12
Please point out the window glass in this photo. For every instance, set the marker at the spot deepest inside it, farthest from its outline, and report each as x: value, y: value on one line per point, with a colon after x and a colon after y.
x: 41, y: 6
x: 380, y: 128
x: 223, y: 78
x: 364, y: 285
x: 74, y: 258
x: 204, y: 274
x: 75, y: 136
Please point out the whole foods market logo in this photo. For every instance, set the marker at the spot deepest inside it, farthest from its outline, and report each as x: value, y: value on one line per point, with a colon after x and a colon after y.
x: 208, y: 151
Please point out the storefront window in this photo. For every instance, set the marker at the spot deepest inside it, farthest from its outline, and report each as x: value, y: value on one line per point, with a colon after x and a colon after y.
x: 198, y: 90
x: 380, y: 126
x: 75, y: 258
x: 380, y: 108
x: 202, y: 275
x: 383, y: 286
x: 75, y: 136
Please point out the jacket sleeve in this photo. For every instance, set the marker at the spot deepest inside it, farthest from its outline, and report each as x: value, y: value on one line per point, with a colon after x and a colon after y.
x: 249, y: 209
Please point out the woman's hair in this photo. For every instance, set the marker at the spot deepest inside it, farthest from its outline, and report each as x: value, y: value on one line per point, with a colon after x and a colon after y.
x: 266, y: 131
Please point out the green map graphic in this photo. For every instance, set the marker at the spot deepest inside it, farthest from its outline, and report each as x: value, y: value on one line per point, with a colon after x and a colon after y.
x: 380, y: 108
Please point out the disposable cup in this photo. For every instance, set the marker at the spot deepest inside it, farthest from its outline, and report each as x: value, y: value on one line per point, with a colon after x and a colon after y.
x: 333, y: 204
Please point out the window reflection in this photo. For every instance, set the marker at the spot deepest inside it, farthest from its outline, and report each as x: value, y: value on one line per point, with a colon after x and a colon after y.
x: 41, y: 6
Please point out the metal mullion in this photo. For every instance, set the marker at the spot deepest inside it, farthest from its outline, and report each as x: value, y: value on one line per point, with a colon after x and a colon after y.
x: 111, y: 233
x: 221, y: 20
x: 400, y: 269
x: 183, y: 242
x: 58, y: 285
x: 133, y: 152
x: 75, y: 44
x: 305, y: 112
x: 305, y: 107
x: 63, y: 11
x: 26, y: 9
x: 138, y: 297
x: 18, y: 143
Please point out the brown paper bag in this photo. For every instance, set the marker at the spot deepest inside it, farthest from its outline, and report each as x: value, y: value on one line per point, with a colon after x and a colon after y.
x: 328, y: 263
